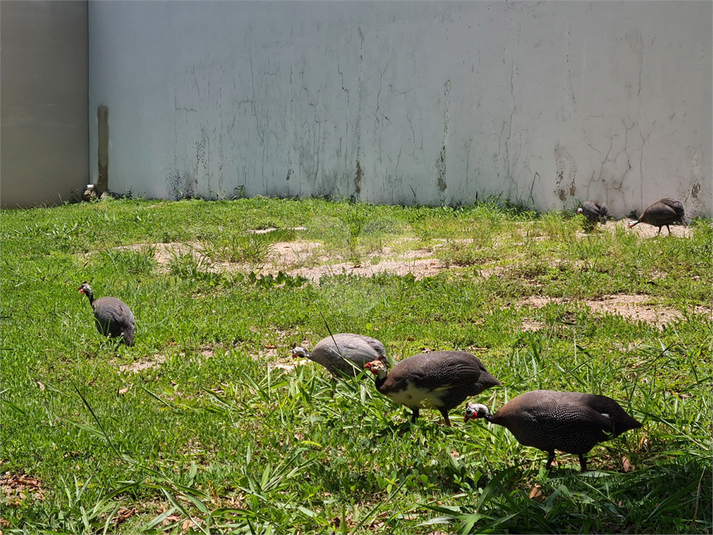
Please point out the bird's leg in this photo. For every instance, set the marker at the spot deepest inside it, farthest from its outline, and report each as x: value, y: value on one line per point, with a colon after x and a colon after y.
x: 669, y: 230
x: 445, y: 418
x: 414, y: 416
x: 550, y: 458
x: 582, y: 463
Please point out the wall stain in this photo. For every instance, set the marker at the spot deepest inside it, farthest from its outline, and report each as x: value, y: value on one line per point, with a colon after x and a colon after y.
x: 103, y: 149
x: 566, y: 171
x: 357, y: 179
x: 695, y: 190
x: 441, y: 169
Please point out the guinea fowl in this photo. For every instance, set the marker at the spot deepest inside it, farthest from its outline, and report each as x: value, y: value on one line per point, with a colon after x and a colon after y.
x: 344, y: 353
x: 567, y: 421
x: 439, y: 380
x: 112, y: 317
x: 661, y: 214
x: 594, y: 211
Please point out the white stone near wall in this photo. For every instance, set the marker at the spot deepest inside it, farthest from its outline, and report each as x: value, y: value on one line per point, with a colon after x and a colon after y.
x: 407, y: 102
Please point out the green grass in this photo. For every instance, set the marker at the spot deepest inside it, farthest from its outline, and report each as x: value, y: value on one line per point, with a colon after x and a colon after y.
x: 209, y: 437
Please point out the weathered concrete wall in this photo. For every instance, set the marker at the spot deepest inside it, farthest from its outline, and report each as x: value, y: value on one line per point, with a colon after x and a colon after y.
x: 43, y: 139
x: 407, y: 102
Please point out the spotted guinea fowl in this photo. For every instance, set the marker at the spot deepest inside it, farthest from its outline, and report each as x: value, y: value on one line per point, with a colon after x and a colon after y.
x: 594, y: 211
x: 439, y: 380
x: 112, y: 317
x: 567, y: 421
x: 662, y: 213
x: 344, y: 353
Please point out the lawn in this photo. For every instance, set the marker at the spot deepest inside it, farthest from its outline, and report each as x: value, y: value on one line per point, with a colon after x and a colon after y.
x: 207, y: 425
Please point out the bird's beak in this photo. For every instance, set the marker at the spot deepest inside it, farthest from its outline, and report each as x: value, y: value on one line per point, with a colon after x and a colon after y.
x: 470, y: 415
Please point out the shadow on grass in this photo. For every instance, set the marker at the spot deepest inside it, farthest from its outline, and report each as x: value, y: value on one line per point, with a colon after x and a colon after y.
x: 672, y: 497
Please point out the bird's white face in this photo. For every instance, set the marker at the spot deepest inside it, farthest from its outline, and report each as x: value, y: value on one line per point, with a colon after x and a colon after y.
x: 84, y: 288
x: 377, y: 367
x: 475, y: 410
x: 299, y: 352
x: 579, y: 210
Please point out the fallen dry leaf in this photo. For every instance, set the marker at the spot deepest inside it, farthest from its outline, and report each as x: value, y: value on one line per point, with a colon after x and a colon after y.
x: 171, y: 519
x: 123, y: 514
x: 536, y: 492
x: 626, y: 465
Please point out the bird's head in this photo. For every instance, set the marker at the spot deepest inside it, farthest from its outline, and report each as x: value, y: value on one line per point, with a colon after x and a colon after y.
x: 377, y: 367
x: 475, y: 410
x: 85, y: 288
x: 579, y: 210
x: 298, y: 351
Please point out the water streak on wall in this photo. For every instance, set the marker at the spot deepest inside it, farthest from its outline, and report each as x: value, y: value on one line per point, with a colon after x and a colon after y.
x: 407, y: 102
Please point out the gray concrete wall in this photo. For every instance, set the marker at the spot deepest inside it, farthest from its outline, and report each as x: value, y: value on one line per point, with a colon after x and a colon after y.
x: 406, y: 102
x: 43, y: 111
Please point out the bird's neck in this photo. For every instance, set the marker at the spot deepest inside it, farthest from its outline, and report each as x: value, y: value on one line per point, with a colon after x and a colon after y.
x: 379, y: 381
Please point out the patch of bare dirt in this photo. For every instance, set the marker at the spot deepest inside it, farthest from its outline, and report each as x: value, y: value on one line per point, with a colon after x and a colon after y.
x: 643, y: 230
x: 419, y: 268
x: 205, y: 351
x: 292, y: 253
x: 632, y: 307
x: 532, y: 325
x: 272, y: 229
x: 151, y: 362
x: 288, y: 364
x: 536, y: 301
x: 649, y: 231
x: 289, y: 258
x: 304, y: 258
x: 488, y: 272
x: 418, y: 262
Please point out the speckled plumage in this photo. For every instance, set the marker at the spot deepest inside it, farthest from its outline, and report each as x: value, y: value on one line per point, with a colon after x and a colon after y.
x: 662, y: 213
x: 348, y: 356
x: 567, y: 421
x: 439, y: 380
x: 594, y: 211
x: 111, y: 315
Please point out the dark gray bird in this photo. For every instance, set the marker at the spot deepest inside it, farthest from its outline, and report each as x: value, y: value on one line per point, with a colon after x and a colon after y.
x: 594, y: 211
x: 112, y: 317
x: 440, y: 380
x: 344, y: 353
x: 662, y: 213
x: 567, y: 421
